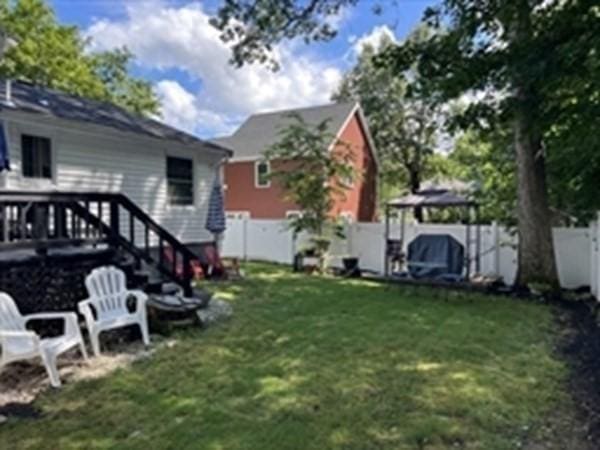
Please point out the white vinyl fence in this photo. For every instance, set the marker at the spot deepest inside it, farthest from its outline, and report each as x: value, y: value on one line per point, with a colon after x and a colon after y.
x: 595, y: 258
x: 577, y: 249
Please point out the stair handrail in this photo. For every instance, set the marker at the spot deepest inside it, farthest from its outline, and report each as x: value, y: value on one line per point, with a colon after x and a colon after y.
x: 75, y: 200
x: 129, y: 205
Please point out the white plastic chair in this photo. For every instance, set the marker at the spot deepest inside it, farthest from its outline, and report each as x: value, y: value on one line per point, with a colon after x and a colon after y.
x: 19, y: 343
x: 107, y: 306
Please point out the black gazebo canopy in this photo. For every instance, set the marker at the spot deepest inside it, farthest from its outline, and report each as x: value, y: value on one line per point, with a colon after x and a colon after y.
x: 431, y: 198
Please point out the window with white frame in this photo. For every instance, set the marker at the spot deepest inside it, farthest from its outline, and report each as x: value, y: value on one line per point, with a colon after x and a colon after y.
x: 294, y: 214
x: 347, y: 181
x: 347, y: 216
x: 180, y: 181
x: 262, y: 170
x: 36, y: 156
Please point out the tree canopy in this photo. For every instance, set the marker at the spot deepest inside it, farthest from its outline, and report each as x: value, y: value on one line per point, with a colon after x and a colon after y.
x: 487, y: 162
x: 54, y: 55
x: 407, y: 128
x: 254, y: 27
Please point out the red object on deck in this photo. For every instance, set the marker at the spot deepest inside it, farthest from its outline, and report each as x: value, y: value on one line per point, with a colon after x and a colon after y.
x: 195, y: 266
x: 215, y: 265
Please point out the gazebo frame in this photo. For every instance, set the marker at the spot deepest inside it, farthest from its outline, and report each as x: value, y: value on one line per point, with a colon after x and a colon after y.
x: 436, y: 199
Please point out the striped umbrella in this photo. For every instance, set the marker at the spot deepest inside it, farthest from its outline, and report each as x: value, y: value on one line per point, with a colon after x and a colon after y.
x: 215, y: 220
x: 4, y: 163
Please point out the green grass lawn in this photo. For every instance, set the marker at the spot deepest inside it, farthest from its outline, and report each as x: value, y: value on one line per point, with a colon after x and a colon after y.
x: 313, y: 363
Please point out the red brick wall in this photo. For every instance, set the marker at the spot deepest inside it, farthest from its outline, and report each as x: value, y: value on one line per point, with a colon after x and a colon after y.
x: 270, y: 203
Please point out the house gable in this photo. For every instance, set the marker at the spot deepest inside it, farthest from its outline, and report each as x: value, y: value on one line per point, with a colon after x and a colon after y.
x: 360, y: 200
x: 260, y: 131
x: 358, y: 115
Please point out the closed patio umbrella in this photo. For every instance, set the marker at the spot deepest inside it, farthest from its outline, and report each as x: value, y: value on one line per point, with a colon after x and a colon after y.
x: 215, y: 220
x: 4, y: 162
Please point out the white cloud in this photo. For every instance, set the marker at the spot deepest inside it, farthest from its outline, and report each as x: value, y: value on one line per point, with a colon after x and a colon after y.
x: 181, y: 109
x: 178, y: 105
x: 164, y: 37
x: 372, y: 39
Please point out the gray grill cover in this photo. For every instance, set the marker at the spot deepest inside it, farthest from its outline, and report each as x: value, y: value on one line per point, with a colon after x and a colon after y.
x: 434, y: 256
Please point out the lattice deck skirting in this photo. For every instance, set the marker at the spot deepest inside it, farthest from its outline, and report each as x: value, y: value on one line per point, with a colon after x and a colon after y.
x: 52, y: 282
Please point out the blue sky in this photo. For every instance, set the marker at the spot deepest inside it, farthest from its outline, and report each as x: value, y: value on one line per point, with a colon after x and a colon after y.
x: 181, y: 54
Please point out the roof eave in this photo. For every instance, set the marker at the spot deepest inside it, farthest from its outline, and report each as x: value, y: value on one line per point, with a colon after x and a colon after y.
x: 367, y: 131
x: 228, y: 151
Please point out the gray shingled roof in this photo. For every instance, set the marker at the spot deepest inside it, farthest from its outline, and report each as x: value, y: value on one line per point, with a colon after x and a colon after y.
x: 35, y: 99
x: 260, y: 131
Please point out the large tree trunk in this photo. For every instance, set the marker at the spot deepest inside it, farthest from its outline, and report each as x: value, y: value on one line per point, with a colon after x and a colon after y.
x: 536, y: 248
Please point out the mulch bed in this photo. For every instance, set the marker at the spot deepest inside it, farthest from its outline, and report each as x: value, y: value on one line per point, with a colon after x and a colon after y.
x: 575, y: 426
x: 580, y: 347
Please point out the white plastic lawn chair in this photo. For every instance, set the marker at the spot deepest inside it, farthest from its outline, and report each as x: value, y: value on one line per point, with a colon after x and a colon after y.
x: 107, y: 306
x: 19, y: 343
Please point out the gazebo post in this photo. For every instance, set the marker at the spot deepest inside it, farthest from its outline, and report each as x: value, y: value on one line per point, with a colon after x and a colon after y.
x: 478, y: 240
x: 402, y: 232
x: 402, y: 224
x: 468, y: 243
x: 386, y: 261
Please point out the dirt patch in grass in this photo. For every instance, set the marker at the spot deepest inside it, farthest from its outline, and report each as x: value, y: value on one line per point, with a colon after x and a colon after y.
x: 22, y: 382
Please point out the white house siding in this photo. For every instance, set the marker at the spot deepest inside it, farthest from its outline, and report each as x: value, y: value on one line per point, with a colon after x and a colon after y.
x: 101, y: 160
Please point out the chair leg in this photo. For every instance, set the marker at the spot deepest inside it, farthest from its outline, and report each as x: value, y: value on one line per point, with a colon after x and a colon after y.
x: 145, y: 333
x: 49, y: 361
x: 95, y: 338
x: 83, y: 350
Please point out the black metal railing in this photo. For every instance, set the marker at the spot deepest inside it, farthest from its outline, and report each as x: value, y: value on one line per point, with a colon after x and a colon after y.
x: 44, y: 220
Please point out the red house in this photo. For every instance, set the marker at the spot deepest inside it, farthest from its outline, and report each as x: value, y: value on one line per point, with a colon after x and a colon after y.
x: 249, y: 192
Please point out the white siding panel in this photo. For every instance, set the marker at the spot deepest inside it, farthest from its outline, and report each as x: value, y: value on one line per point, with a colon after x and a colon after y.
x: 85, y: 161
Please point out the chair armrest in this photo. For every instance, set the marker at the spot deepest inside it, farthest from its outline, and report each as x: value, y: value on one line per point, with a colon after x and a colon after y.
x: 14, y: 336
x: 69, y: 318
x: 85, y: 308
x: 140, y: 296
x: 84, y: 305
x: 50, y: 316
